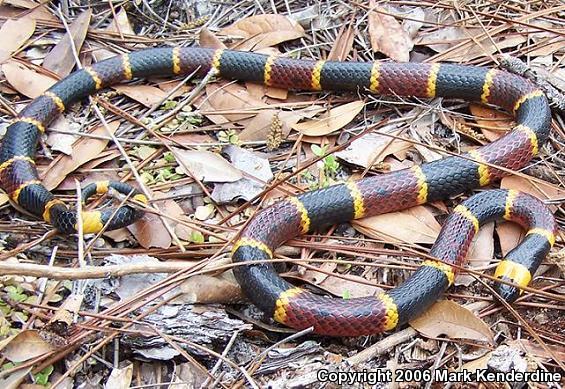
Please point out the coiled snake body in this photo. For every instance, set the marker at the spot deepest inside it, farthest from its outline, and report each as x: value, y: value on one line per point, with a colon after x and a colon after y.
x: 307, y: 212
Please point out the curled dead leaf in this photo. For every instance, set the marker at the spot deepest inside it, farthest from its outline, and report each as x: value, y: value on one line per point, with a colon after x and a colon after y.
x: 449, y: 318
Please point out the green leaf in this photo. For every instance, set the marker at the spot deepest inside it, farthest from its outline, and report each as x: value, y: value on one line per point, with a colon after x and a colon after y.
x: 317, y: 150
x: 169, y: 105
x: 196, y: 237
x: 169, y: 157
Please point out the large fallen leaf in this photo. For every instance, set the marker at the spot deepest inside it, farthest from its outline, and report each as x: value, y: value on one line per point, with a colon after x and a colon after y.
x: 334, y: 120
x: 261, y: 31
x: 84, y: 150
x: 387, y: 35
x: 150, y: 230
x: 413, y: 225
x: 254, y: 165
x: 449, y: 318
x: 25, y: 346
x: 207, y: 166
x: 145, y: 94
x: 60, y: 59
x: 26, y: 81
x: 14, y: 34
x: 373, y: 148
x: 234, y: 101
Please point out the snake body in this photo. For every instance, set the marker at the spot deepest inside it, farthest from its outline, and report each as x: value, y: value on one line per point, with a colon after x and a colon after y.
x: 310, y: 211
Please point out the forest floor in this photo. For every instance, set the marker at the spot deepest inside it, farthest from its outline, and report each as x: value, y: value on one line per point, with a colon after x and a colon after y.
x: 156, y: 305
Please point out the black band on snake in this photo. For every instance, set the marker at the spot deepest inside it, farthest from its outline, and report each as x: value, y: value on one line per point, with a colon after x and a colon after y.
x: 314, y: 210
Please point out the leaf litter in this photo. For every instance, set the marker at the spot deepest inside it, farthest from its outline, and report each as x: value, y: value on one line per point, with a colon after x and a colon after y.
x: 215, y: 144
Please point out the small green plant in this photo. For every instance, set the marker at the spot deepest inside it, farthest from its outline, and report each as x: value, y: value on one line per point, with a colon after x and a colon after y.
x: 16, y: 293
x: 229, y: 136
x: 42, y: 378
x: 330, y: 166
x: 168, y: 105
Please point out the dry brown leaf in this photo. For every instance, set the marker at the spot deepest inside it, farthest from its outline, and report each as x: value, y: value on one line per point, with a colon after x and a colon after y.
x: 26, y: 81
x: 150, y: 232
x: 481, y: 252
x: 387, y: 35
x: 25, y: 346
x: 537, y: 350
x: 120, y: 378
x: 36, y: 11
x: 230, y: 97
x: 489, y: 117
x: 343, y: 43
x: 208, y: 39
x: 259, y: 127
x: 121, y: 23
x: 442, y: 39
x: 510, y: 235
x: 60, y: 60
x: 14, y: 380
x: 258, y: 91
x: 145, y: 94
x: 413, y: 225
x: 352, y: 287
x: 483, y: 47
x: 373, y: 148
x: 479, y: 363
x: 206, y: 289
x: 4, y: 199
x: 84, y: 150
x: 449, y: 318
x: 261, y: 31
x: 60, y: 141
x: 548, y: 48
x: 207, y: 166
x: 540, y: 190
x: 333, y: 120
x: 14, y: 34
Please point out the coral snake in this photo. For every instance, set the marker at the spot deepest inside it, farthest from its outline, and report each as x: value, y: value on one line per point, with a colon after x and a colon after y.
x: 310, y: 211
